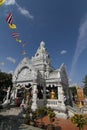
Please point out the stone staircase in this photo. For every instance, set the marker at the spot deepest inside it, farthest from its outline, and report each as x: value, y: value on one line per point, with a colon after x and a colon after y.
x: 75, y: 110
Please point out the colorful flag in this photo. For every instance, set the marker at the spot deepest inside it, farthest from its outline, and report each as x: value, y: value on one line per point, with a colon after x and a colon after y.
x: 15, y: 35
x: 24, y: 44
x: 9, y: 20
x: 18, y: 40
x: 12, y: 26
x: 23, y: 52
x: 2, y: 2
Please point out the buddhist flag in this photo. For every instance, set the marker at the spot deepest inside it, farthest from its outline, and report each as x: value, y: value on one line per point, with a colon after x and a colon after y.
x: 12, y: 26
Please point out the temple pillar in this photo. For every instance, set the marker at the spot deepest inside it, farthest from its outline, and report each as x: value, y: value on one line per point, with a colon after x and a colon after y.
x: 57, y: 92
x: 61, y: 98
x: 34, y: 97
x: 60, y: 94
x: 44, y: 94
x: 15, y: 94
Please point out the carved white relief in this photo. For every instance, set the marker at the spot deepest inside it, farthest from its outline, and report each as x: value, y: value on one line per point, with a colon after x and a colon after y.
x: 58, y: 74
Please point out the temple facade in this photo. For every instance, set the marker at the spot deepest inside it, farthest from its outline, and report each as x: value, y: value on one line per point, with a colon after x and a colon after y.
x: 47, y: 86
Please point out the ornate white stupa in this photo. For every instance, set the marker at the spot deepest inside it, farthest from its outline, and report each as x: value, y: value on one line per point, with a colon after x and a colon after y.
x: 49, y: 86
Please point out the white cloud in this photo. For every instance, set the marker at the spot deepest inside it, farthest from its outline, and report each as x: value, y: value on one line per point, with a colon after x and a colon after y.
x: 2, y: 63
x: 10, y: 72
x: 24, y: 12
x: 81, y: 44
x: 73, y: 84
x: 10, y: 2
x: 11, y: 59
x: 70, y: 80
x: 63, y: 52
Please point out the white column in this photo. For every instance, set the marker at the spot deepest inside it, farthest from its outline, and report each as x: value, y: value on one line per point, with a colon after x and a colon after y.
x: 60, y: 94
x: 44, y: 94
x: 61, y: 98
x: 16, y: 92
x: 34, y: 97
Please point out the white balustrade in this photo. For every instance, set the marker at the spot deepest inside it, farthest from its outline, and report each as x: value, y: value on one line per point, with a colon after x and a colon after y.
x: 56, y: 104
x: 53, y: 103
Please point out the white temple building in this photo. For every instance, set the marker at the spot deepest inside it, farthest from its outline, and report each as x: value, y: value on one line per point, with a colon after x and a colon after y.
x: 48, y: 86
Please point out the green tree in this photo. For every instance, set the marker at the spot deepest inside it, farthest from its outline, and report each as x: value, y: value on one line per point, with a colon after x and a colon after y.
x: 5, y: 80
x: 73, y: 90
x: 79, y: 120
x: 85, y: 85
x: 51, y: 114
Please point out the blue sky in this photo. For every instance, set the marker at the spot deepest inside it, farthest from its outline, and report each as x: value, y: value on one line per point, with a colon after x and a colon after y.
x: 61, y: 24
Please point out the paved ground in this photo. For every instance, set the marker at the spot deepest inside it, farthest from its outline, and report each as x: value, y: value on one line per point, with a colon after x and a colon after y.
x: 12, y: 119
x: 27, y: 127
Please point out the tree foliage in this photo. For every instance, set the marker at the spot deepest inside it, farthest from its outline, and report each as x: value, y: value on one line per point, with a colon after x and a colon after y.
x: 5, y: 80
x: 73, y: 90
x: 79, y: 120
x: 85, y: 85
x: 51, y: 114
x: 85, y: 81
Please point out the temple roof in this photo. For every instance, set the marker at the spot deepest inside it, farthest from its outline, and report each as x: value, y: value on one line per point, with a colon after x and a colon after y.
x: 53, y: 74
x: 39, y: 68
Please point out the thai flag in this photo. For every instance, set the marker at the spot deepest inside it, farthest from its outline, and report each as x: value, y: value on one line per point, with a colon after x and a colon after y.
x: 15, y: 35
x: 9, y: 18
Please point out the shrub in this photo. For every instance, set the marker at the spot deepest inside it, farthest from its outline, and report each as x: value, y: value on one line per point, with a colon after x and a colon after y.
x: 79, y: 120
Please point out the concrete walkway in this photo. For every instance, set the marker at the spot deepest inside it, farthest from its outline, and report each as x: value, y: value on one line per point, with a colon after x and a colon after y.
x: 28, y: 127
x: 12, y: 119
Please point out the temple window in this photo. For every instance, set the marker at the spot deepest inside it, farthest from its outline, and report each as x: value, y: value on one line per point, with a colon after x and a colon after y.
x: 40, y: 92
x: 37, y: 54
x: 52, y: 92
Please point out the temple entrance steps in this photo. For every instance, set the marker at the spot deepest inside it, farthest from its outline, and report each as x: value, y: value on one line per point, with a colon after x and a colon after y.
x: 73, y: 110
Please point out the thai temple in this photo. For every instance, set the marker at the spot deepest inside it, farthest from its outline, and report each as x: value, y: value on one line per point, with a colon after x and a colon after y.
x: 42, y: 83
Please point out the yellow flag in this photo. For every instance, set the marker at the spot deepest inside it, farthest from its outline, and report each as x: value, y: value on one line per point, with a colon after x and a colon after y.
x: 12, y: 26
x: 2, y: 2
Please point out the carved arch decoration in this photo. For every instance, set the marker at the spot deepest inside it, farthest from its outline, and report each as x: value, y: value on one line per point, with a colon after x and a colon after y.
x: 24, y: 73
